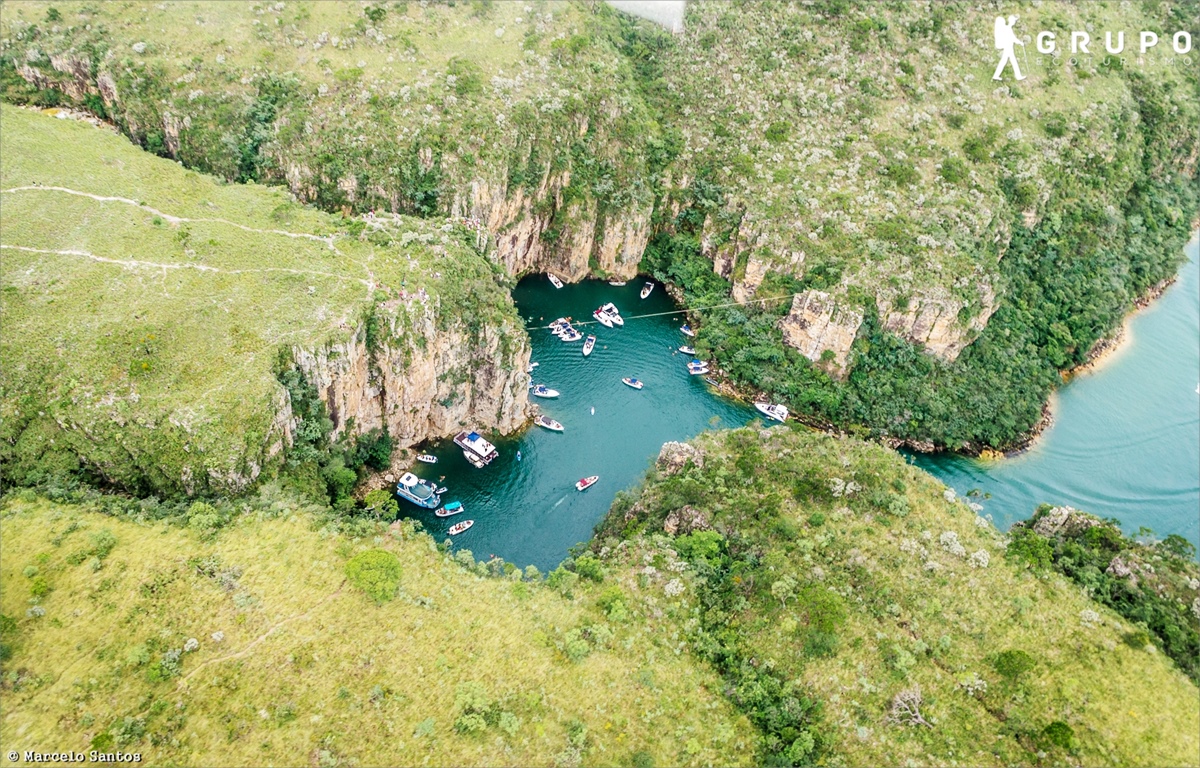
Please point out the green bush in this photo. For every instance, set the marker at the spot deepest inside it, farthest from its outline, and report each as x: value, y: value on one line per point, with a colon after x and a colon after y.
x: 376, y: 572
x: 1012, y: 663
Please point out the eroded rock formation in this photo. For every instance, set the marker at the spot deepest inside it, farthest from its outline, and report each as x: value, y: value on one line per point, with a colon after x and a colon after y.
x: 818, y: 324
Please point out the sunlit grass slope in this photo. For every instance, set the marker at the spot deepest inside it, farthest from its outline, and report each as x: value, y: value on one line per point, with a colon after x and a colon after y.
x: 308, y: 670
x: 145, y: 306
x: 836, y: 566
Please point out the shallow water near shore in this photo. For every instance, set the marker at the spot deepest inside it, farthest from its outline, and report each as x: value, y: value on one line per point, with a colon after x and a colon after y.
x: 1126, y: 437
x: 528, y: 511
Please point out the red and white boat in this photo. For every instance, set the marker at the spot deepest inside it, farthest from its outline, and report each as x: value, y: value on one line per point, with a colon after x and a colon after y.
x: 586, y: 483
x: 458, y: 528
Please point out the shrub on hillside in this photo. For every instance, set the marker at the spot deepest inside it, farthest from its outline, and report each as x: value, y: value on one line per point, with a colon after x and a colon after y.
x: 376, y: 572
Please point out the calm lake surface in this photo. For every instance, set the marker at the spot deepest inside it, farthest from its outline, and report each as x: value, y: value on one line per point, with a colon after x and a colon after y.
x: 529, y: 511
x: 1126, y: 437
x: 1125, y: 444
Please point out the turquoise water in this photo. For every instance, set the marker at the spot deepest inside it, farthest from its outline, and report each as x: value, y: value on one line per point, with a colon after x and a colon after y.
x: 1125, y: 443
x: 1126, y: 437
x: 529, y: 511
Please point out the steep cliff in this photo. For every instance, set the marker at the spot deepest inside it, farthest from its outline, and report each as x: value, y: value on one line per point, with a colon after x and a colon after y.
x: 185, y: 296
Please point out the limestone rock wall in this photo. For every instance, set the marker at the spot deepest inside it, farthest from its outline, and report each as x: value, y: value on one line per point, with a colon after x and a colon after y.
x: 818, y: 323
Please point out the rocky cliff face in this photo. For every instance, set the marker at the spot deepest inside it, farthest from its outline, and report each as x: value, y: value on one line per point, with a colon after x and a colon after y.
x: 936, y: 321
x: 817, y: 324
x: 424, y: 381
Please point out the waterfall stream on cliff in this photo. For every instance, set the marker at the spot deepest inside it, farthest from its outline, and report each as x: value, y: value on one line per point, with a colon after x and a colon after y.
x: 1126, y: 437
x: 528, y: 511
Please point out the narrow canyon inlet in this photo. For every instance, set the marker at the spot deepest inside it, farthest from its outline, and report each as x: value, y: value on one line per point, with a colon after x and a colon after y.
x: 528, y: 511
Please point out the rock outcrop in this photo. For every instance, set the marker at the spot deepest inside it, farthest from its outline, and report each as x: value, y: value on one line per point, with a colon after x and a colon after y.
x: 674, y: 456
x: 933, y: 321
x: 817, y: 324
x: 424, y: 381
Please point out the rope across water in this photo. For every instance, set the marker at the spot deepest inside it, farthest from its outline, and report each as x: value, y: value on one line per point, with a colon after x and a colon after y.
x: 672, y: 312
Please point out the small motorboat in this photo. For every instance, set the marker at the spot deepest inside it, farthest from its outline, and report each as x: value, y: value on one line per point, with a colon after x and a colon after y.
x: 646, y: 289
x: 529, y: 368
x: 697, y: 368
x: 474, y: 460
x: 629, y: 381
x: 603, y: 318
x: 541, y: 390
x: 555, y: 281
x: 442, y: 490
x: 614, y: 314
x: 586, y: 483
x: 617, y: 283
x: 588, y: 345
x: 570, y: 335
x: 453, y: 508
x: 686, y: 330
x: 776, y: 411
x: 458, y: 528
x: 427, y: 458
x: 548, y: 423
x: 709, y: 380
x: 685, y: 349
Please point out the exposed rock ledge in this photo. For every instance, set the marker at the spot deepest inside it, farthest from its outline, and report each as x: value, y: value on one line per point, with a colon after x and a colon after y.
x: 421, y: 392
x: 818, y: 324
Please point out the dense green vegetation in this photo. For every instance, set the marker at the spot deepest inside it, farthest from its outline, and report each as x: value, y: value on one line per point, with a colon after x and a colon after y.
x: 856, y: 148
x: 860, y: 614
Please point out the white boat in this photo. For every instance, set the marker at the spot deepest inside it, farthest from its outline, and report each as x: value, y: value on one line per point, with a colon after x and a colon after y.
x: 427, y: 458
x: 475, y: 449
x: 541, y: 390
x: 529, y: 368
x: 571, y: 335
x: 603, y: 318
x: 418, y: 491
x: 686, y: 330
x: 588, y: 345
x: 586, y: 483
x: 776, y: 411
x: 548, y: 423
x: 442, y: 490
x: 685, y: 349
x: 613, y: 313
x: 629, y: 381
x: 458, y: 528
x: 617, y: 283
x: 555, y: 281
x: 646, y: 289
x: 697, y: 367
x: 453, y: 508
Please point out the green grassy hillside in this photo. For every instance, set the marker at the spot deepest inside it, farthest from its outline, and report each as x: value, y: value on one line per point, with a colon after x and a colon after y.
x: 827, y: 580
x: 146, y: 309
x: 252, y: 646
x: 988, y: 233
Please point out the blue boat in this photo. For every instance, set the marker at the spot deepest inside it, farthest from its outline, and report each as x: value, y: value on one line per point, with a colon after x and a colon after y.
x: 419, y: 492
x: 453, y: 508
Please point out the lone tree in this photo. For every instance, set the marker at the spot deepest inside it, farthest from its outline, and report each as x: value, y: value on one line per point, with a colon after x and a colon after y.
x: 906, y: 708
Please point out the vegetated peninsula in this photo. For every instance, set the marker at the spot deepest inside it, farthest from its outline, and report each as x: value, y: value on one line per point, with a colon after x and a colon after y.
x: 921, y: 249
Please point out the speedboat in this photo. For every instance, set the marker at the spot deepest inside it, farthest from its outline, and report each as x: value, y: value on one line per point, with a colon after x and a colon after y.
x: 613, y: 313
x: 685, y: 349
x: 586, y: 483
x: 686, y: 330
x: 629, y: 381
x: 587, y: 345
x: 458, y: 528
x: 555, y: 281
x: 570, y: 335
x: 427, y: 458
x: 603, y: 318
x: 475, y: 449
x: 548, y: 423
x: 453, y: 508
x: 541, y: 390
x: 617, y: 283
x: 418, y: 491
x: 441, y: 490
x: 776, y: 411
x: 529, y: 368
x: 646, y: 289
x: 697, y: 367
